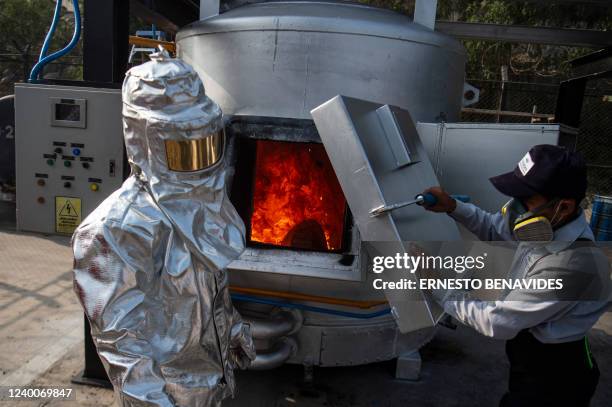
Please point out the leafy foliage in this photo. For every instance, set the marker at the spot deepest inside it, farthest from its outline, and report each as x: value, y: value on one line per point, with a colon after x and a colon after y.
x: 526, y: 62
x: 23, y: 26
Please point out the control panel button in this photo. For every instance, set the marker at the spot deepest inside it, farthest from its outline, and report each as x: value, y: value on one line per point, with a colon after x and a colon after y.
x: 67, y: 184
x: 76, y: 151
x: 85, y: 165
x: 50, y: 162
x: 40, y: 200
x: 40, y: 182
x: 67, y: 164
x: 94, y: 187
x: 58, y: 150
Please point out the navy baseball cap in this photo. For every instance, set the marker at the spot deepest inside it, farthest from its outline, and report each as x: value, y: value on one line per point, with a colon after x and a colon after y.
x: 549, y: 170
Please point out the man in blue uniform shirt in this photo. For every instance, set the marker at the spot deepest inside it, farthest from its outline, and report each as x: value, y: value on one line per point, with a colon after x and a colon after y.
x: 550, y: 360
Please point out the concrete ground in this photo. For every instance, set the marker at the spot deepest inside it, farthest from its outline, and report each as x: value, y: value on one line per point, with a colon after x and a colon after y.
x: 41, y: 335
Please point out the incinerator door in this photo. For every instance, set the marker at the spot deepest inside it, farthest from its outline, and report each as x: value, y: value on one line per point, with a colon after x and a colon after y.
x: 379, y: 160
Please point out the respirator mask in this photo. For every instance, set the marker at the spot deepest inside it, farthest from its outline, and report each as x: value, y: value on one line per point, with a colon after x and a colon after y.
x: 530, y: 226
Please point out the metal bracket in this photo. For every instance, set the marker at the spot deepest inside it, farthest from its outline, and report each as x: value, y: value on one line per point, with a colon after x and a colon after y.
x: 425, y: 13
x: 394, y: 136
x: 471, y: 94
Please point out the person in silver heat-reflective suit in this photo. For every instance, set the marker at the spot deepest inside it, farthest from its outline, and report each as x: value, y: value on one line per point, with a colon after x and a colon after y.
x: 149, y: 262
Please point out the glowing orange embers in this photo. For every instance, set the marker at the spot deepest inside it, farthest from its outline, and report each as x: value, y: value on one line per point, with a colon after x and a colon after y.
x: 297, y: 200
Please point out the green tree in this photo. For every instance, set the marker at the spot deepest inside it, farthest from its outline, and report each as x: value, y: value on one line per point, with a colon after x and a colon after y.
x: 23, y: 27
x: 526, y: 62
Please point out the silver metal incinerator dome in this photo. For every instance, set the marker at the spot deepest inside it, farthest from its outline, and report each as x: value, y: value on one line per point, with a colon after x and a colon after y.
x: 282, y: 59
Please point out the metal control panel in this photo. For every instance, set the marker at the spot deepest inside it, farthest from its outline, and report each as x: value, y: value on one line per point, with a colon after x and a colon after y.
x: 69, y: 154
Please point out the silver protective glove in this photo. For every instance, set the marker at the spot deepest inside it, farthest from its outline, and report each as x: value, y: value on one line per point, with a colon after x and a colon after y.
x: 242, y: 348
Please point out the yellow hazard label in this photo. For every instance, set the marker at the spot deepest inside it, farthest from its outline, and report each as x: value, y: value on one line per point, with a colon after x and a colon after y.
x: 67, y: 214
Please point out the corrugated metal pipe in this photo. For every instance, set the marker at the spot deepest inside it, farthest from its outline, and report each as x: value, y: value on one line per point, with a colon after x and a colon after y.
x: 277, y: 356
x: 274, y: 331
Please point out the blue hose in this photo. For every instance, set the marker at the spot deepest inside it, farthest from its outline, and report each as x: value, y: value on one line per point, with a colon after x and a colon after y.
x: 257, y: 300
x: 49, y: 37
x: 58, y: 54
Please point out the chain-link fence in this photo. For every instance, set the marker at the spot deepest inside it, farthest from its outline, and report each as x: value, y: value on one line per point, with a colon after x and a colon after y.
x: 515, y: 102
x: 533, y: 101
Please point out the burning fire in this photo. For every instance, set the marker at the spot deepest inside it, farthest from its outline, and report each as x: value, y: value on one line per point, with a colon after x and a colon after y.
x: 297, y: 200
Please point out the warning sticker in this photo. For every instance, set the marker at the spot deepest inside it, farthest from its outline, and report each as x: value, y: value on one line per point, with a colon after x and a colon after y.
x: 67, y: 214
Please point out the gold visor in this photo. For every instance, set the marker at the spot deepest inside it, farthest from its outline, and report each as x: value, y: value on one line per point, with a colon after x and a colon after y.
x: 194, y: 155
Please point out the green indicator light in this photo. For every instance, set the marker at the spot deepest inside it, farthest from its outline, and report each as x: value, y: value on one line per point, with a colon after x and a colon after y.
x: 50, y: 162
x: 67, y: 163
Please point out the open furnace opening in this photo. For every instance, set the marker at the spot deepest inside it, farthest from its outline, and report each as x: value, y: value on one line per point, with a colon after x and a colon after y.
x: 288, y: 194
x: 297, y: 200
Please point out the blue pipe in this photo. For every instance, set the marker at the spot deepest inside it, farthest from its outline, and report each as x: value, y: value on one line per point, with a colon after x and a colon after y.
x: 257, y: 300
x: 58, y: 54
x: 49, y: 37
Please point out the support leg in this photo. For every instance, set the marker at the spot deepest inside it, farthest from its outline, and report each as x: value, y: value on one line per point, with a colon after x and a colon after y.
x: 408, y: 366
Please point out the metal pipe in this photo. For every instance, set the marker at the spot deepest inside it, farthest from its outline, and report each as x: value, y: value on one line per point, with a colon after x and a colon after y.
x: 209, y: 8
x: 280, y: 353
x: 532, y: 115
x: 282, y: 324
x: 288, y: 295
x: 425, y: 13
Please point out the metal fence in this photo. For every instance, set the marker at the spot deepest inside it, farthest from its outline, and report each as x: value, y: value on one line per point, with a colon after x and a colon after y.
x: 515, y: 102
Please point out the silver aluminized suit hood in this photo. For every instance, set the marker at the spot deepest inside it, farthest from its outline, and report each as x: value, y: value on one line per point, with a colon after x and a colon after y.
x: 165, y: 100
x: 149, y: 261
